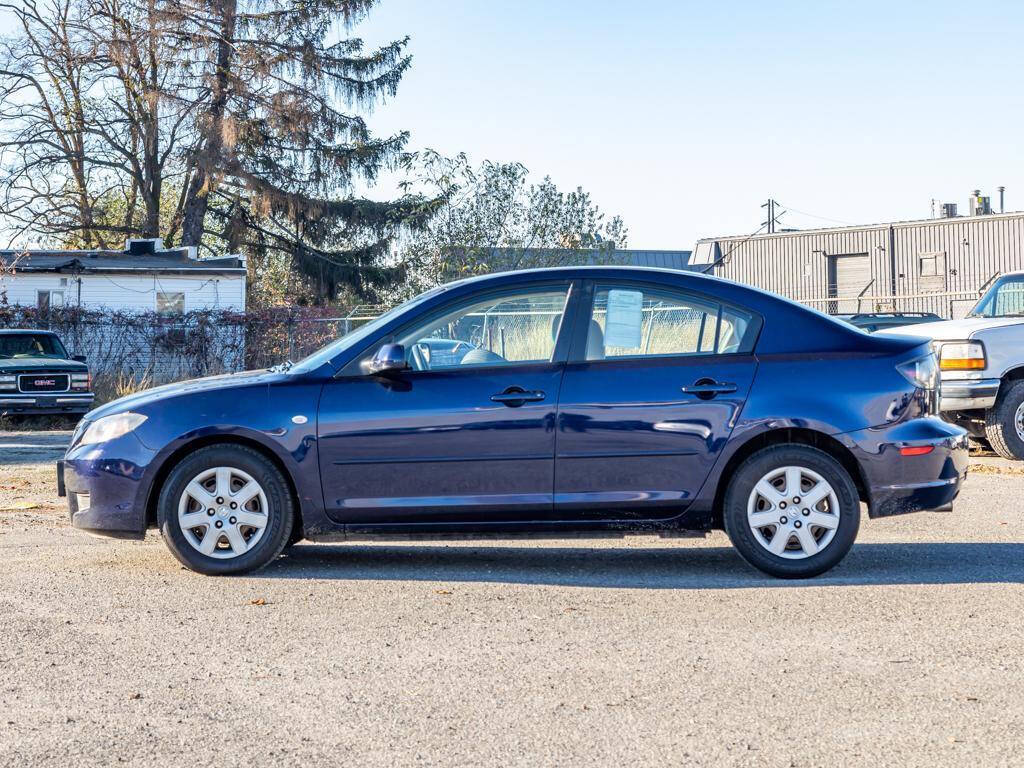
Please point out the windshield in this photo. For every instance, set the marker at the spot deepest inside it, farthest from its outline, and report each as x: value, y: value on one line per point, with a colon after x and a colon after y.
x: 360, y: 334
x: 31, y: 345
x: 1004, y: 299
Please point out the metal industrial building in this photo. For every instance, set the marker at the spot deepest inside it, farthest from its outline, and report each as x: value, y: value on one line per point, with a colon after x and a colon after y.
x: 932, y: 265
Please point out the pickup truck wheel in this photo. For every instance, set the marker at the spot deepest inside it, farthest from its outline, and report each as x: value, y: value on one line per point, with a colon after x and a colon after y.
x: 1004, y: 422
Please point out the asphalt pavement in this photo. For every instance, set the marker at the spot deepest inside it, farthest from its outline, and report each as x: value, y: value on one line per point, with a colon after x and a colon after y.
x: 639, y: 651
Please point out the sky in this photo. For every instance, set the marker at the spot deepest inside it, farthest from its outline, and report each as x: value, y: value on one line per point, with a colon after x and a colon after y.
x: 683, y: 117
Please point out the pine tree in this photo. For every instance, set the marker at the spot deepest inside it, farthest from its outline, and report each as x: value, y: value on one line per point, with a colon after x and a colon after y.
x: 279, y: 149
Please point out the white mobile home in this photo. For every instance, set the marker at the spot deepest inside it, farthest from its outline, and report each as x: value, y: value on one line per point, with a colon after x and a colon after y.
x: 144, y: 277
x: 145, y: 311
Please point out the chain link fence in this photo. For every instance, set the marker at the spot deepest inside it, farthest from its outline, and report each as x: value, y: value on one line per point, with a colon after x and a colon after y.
x: 157, y: 348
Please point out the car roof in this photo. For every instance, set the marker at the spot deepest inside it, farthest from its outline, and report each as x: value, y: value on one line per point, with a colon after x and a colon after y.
x: 18, y: 331
x: 593, y: 271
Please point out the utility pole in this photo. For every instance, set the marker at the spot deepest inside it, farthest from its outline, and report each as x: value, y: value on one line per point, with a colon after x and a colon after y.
x: 771, y: 205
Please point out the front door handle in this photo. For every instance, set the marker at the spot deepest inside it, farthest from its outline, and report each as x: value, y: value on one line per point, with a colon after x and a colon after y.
x: 706, y: 389
x: 513, y: 397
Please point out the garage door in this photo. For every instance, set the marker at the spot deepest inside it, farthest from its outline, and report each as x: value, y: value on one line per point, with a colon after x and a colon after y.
x: 851, y: 275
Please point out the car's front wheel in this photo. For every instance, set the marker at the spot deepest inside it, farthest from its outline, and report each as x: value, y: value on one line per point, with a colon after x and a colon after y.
x: 792, y: 511
x: 225, y: 509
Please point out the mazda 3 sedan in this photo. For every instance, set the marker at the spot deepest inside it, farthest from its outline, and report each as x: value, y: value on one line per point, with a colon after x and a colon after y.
x: 582, y: 401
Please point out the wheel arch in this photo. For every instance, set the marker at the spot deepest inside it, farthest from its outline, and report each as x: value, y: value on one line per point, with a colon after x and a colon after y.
x: 1010, y: 376
x: 172, y: 460
x: 789, y: 436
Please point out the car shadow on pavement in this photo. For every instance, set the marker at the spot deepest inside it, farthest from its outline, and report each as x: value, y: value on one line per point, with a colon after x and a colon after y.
x: 676, y: 568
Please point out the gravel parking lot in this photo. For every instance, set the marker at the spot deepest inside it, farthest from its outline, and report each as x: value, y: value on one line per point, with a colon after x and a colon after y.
x: 639, y: 651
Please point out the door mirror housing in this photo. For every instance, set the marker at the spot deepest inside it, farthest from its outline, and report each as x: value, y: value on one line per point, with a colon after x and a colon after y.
x: 390, y: 358
x: 78, y: 358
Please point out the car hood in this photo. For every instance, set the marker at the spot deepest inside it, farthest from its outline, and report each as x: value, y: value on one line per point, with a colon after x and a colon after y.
x: 140, y: 400
x: 948, y: 330
x: 40, y: 364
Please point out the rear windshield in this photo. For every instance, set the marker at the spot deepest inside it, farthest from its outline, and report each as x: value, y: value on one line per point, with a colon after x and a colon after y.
x: 31, y: 345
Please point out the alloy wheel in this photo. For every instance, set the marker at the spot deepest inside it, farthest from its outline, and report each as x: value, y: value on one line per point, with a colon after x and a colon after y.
x: 223, y: 512
x: 1018, y: 421
x: 793, y: 512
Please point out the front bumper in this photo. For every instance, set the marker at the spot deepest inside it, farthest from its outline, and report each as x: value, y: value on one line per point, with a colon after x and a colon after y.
x: 36, y: 405
x: 106, y: 487
x: 968, y: 394
x: 898, y: 484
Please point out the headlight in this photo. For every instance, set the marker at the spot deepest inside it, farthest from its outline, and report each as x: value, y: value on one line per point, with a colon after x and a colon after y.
x: 922, y: 372
x: 8, y: 382
x: 962, y: 356
x: 111, y: 427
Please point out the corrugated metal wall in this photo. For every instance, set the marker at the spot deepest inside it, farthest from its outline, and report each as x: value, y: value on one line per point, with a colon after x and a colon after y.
x: 795, y: 264
x: 975, y: 249
x: 959, y: 256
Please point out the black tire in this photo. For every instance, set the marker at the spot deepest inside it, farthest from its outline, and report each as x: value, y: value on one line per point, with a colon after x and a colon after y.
x: 280, y: 512
x: 742, y: 484
x: 1000, y: 426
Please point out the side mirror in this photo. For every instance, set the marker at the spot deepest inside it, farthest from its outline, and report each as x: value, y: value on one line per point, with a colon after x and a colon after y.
x: 390, y: 358
x: 78, y: 358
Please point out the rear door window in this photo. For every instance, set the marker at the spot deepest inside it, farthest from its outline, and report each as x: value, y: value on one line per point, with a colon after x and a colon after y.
x: 640, y: 321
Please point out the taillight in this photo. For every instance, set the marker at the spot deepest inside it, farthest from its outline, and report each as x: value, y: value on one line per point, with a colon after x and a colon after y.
x: 922, y: 372
x: 962, y: 356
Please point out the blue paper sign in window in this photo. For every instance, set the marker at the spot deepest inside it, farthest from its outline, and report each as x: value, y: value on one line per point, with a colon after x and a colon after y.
x: 623, y: 325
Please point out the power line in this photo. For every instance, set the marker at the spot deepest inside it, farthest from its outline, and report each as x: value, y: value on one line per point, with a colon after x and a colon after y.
x: 721, y: 259
x: 773, y: 218
x: 816, y: 216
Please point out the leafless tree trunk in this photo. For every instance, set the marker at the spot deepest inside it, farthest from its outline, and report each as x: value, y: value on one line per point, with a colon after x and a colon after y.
x: 208, y: 152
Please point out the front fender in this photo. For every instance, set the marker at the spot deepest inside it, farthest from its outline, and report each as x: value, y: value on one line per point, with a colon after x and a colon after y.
x: 280, y: 419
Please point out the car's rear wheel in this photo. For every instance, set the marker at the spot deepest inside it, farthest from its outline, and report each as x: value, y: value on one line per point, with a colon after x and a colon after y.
x: 792, y: 511
x: 1004, y: 422
x: 225, y: 509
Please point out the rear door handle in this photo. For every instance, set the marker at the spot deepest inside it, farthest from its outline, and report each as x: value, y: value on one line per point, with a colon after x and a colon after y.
x: 708, y: 388
x: 513, y: 397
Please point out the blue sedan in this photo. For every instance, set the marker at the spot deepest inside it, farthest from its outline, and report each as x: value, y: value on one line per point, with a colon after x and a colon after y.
x: 582, y: 401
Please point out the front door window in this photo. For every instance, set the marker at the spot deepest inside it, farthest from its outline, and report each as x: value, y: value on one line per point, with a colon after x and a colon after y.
x: 500, y: 330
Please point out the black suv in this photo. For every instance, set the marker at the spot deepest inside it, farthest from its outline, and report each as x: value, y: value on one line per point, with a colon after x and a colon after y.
x: 38, y: 376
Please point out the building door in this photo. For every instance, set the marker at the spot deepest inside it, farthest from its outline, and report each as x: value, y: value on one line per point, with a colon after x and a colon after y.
x: 849, y: 276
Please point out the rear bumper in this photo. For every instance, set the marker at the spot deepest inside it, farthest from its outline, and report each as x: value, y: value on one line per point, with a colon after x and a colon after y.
x: 898, y: 484
x: 34, y: 405
x: 968, y: 394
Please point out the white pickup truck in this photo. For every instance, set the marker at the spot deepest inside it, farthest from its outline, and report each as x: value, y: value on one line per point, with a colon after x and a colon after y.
x: 981, y: 359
